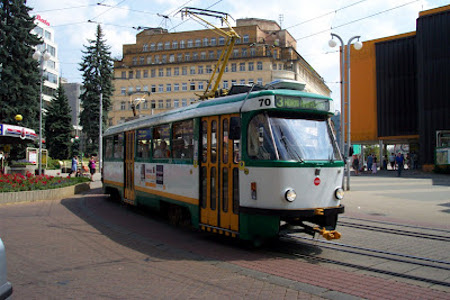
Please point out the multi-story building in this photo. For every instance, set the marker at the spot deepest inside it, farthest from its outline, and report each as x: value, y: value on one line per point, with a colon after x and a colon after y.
x: 73, y: 91
x: 169, y: 70
x: 51, y: 66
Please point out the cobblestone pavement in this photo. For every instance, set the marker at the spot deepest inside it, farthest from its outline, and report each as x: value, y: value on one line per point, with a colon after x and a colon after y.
x: 85, y: 247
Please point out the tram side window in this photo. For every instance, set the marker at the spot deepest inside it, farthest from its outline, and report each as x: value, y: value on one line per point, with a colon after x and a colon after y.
x: 161, y: 141
x: 118, y: 146
x: 144, y: 139
x: 259, y: 140
x: 109, y: 147
x: 183, y: 140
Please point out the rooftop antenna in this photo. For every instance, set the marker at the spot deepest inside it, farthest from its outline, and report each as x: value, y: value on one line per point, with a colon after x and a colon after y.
x: 281, y: 18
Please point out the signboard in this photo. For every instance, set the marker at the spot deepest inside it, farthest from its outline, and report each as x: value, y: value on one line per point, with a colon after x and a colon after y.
x: 18, y: 131
x: 292, y: 102
x: 442, y: 156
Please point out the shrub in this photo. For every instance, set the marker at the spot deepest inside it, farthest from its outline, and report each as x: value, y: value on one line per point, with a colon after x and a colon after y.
x: 30, y: 182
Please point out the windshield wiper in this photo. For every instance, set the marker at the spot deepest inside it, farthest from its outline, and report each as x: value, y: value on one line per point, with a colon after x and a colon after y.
x: 291, y: 150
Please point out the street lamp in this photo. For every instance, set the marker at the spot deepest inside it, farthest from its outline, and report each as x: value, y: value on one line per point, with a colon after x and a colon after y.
x: 41, y: 57
x: 345, y: 63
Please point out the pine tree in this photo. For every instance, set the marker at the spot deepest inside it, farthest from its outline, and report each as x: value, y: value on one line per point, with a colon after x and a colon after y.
x: 97, y: 68
x: 58, y: 126
x: 19, y: 73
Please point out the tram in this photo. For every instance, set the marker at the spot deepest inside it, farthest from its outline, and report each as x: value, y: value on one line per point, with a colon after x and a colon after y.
x: 251, y: 165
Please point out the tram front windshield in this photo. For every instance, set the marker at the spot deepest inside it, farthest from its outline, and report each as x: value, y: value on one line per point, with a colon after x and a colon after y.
x: 273, y: 137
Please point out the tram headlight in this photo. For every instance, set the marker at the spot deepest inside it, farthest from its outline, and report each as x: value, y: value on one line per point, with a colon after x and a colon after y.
x: 339, y: 194
x: 290, y: 195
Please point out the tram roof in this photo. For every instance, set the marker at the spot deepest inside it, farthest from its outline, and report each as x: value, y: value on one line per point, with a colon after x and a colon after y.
x: 217, y: 106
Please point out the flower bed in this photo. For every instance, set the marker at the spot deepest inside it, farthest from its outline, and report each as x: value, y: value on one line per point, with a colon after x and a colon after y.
x: 30, y: 182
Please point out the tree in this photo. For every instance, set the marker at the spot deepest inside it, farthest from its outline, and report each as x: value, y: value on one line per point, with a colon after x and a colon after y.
x: 58, y: 126
x: 97, y: 68
x: 19, y: 73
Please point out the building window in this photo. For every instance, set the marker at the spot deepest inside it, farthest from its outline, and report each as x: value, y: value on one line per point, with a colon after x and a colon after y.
x: 153, y: 104
x: 203, y: 55
x: 183, y: 102
x: 195, y: 56
x: 259, y: 66
x: 176, y: 87
x: 219, y: 53
x: 145, y: 88
x: 233, y: 82
x: 208, y: 69
x: 221, y: 40
x: 160, y: 103
x: 153, y: 73
x: 130, y: 89
x: 225, y: 84
x: 200, y: 69
x: 176, y: 103
x: 250, y: 81
x: 260, y: 81
x: 134, y: 61
x: 182, y: 44
x: 169, y: 72
x: 122, y: 105
x: 164, y: 59
x: 244, y: 52
x: 172, y: 58
x: 205, y: 42
x: 161, y: 72
x: 242, y: 81
x: 233, y: 67
x: 198, y: 43
x: 179, y: 57
x: 141, y: 60
x: 123, y: 75
x: 190, y: 43
x: 130, y: 75
x: 242, y: 67
x: 168, y: 103
x: 192, y: 86
x: 213, y: 41
x: 251, y: 66
x: 160, y: 88
x: 187, y: 57
x: 152, y: 47
x: 184, y: 86
x: 168, y: 87
x: 235, y: 52
x: 192, y: 71
x: 252, y: 52
x: 200, y: 85
x: 246, y: 38
x: 167, y: 45
x: 160, y: 46
x: 211, y: 54
x: 174, y: 45
x: 176, y: 71
x: 145, y: 104
x: 145, y: 73
x: 153, y: 88
x: 138, y: 74
x: 184, y: 71
x: 149, y: 59
x: 156, y: 59
x: 123, y: 91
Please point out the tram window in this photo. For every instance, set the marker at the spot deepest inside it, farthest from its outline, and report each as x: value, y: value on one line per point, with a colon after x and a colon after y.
x: 204, y: 141
x: 213, y: 188
x: 183, y: 140
x: 235, y: 190
x: 161, y: 141
x: 259, y: 141
x: 109, y: 147
x: 225, y: 190
x: 213, y: 141
x: 144, y: 138
x: 225, y: 141
x: 204, y: 187
x: 118, y: 146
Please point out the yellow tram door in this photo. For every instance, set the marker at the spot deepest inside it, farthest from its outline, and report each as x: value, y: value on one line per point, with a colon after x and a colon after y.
x: 209, y: 173
x: 218, y: 171
x: 129, y: 195
x: 229, y: 178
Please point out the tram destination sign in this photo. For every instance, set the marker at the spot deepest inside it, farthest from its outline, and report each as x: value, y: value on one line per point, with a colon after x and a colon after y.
x: 302, y: 103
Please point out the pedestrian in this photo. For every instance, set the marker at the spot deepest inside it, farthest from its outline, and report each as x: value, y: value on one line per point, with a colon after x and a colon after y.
x: 355, y: 164
x: 399, y: 160
x: 369, y: 162
x: 392, y: 161
x: 74, y: 165
x: 91, y: 165
x: 374, y: 165
x: 385, y: 162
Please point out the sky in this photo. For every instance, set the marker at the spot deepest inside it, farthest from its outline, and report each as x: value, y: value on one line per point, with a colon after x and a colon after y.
x: 309, y: 22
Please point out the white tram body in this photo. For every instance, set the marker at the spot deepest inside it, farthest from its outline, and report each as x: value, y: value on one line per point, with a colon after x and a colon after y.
x: 253, y: 163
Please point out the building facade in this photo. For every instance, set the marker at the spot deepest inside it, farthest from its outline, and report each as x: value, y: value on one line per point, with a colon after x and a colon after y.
x: 51, y: 66
x: 73, y: 91
x: 399, y: 89
x: 166, y: 70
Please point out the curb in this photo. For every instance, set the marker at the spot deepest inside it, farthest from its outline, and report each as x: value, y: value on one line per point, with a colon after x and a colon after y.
x: 53, y: 194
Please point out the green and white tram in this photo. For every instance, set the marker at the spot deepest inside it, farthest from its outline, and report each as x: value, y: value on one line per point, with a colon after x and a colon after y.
x: 250, y: 165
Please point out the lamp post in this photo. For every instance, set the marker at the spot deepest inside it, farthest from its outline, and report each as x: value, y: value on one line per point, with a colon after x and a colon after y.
x: 41, y: 57
x: 345, y: 64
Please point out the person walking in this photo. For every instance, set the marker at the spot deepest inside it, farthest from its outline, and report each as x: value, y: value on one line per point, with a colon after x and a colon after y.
x: 369, y: 162
x: 374, y: 165
x: 399, y: 160
x: 91, y: 165
x: 74, y: 165
x: 392, y: 161
x: 355, y: 164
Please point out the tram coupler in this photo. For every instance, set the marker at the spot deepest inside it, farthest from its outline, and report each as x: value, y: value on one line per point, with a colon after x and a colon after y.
x: 328, y: 234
